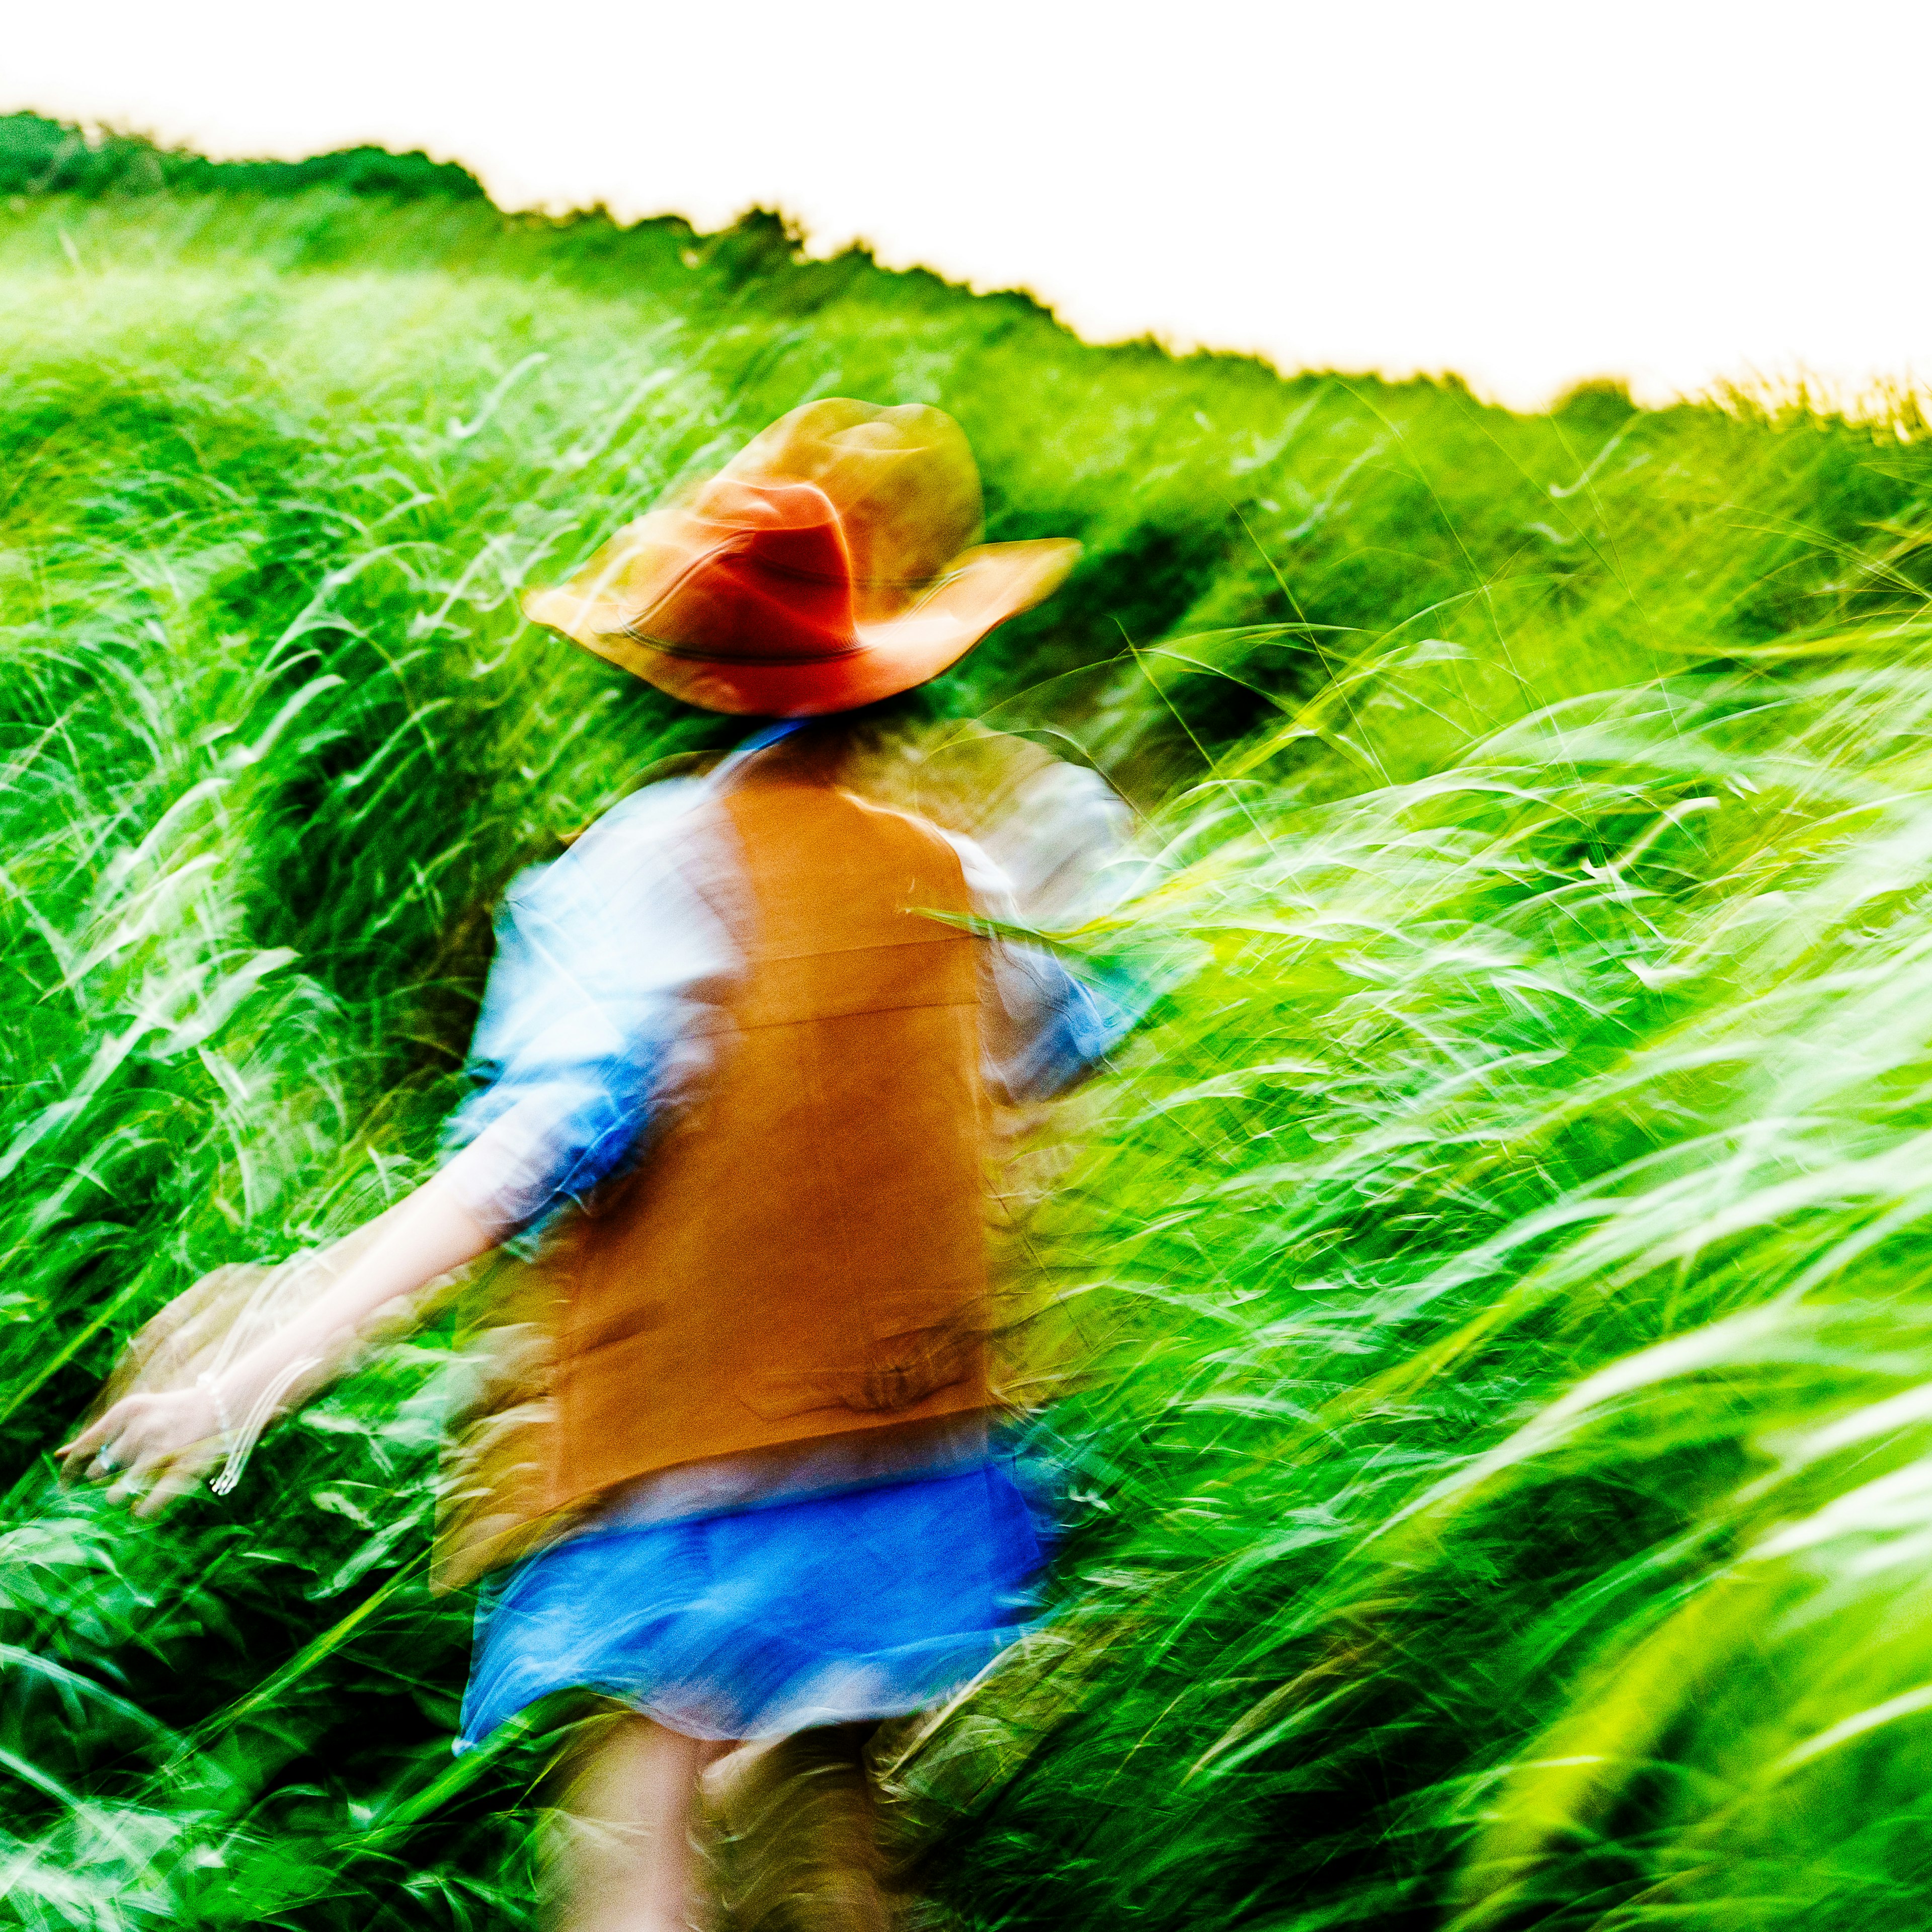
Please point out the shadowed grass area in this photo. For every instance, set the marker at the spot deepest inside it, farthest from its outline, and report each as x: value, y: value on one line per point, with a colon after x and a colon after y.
x: 1501, y: 1499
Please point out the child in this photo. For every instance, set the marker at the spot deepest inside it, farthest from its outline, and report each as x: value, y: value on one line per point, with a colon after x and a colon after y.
x: 737, y: 1049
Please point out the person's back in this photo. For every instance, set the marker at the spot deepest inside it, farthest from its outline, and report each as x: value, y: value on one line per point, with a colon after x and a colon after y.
x: 803, y: 1255
x: 732, y: 1083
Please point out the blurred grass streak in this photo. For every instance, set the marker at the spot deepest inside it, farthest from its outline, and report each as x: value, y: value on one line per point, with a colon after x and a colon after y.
x: 1507, y: 1496
x: 1512, y: 1494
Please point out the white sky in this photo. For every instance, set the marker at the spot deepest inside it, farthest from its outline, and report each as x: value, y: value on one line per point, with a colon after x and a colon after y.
x: 1528, y: 194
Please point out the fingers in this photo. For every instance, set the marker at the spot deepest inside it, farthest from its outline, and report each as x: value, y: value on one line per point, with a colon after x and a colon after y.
x: 148, y: 1460
x: 162, y: 1471
x: 150, y: 1449
x: 91, y: 1455
x: 176, y: 1482
x: 102, y: 1429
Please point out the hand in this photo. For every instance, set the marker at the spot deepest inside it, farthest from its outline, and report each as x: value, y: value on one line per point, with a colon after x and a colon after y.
x: 151, y: 1447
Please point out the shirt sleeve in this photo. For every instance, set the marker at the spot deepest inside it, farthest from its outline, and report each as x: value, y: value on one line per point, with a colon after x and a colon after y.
x: 599, y: 1013
x: 1045, y: 1029
x: 1066, y: 845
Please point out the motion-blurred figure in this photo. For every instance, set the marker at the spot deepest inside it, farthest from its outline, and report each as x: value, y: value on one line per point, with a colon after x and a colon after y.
x: 732, y: 1469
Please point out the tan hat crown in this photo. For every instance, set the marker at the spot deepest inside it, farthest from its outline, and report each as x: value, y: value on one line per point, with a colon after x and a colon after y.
x: 833, y: 562
x: 902, y: 479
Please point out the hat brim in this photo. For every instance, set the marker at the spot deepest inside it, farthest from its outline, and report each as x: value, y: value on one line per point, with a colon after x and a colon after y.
x: 979, y: 590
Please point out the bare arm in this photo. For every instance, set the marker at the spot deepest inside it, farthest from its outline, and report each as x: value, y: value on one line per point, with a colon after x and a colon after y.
x: 592, y: 1025
x: 156, y: 1444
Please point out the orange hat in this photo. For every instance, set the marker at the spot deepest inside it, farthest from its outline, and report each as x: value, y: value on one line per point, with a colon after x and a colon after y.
x: 827, y: 566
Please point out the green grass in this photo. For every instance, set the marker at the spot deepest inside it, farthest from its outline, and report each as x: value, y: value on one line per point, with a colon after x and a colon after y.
x: 1503, y: 1496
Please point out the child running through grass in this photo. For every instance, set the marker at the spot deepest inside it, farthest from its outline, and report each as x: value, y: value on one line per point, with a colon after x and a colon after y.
x: 736, y: 1055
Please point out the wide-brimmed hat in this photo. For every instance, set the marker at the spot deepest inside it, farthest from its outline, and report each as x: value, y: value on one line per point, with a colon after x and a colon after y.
x: 833, y: 562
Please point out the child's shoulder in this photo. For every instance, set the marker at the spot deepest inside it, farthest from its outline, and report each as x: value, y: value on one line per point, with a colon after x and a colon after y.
x: 669, y: 789
x: 641, y: 835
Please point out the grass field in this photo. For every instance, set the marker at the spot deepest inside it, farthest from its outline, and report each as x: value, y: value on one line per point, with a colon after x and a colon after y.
x: 1505, y: 1496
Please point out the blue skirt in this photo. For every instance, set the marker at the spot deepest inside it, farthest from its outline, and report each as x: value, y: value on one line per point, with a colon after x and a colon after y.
x: 869, y: 1602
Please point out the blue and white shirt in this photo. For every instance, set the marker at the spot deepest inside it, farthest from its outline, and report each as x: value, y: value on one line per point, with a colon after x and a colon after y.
x: 611, y: 961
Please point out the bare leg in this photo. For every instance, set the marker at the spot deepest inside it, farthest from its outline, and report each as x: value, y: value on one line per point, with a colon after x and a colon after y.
x: 618, y: 1858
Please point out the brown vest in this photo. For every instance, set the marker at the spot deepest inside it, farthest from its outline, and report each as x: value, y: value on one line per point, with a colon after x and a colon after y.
x: 804, y: 1255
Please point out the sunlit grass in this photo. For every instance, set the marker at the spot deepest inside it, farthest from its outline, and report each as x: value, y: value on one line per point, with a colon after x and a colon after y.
x: 1501, y: 1492
x: 1510, y: 1496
